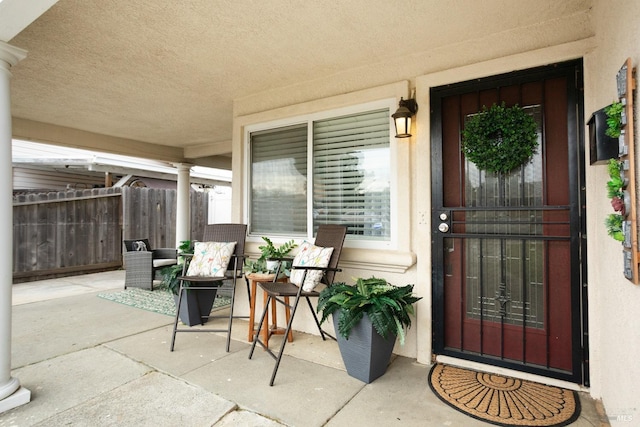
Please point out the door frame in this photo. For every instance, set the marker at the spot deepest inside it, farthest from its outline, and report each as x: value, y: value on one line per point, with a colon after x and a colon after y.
x: 573, y: 70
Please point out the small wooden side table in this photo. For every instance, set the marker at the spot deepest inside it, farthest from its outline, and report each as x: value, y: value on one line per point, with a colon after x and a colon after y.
x: 267, y: 330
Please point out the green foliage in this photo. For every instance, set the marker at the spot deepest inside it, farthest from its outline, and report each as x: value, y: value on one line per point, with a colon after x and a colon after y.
x: 171, y: 273
x: 257, y: 266
x: 615, y: 183
x: 500, y: 139
x: 269, y: 251
x: 613, y: 222
x: 614, y: 187
x: 613, y: 167
x: 170, y: 277
x: 614, y: 119
x: 614, y: 226
x: 185, y: 247
x: 389, y: 307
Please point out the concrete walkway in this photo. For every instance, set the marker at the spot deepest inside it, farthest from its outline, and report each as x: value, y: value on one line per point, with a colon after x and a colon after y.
x: 93, y: 362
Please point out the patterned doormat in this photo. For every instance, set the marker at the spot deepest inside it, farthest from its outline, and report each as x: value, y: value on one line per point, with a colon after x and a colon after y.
x: 159, y: 300
x: 503, y: 400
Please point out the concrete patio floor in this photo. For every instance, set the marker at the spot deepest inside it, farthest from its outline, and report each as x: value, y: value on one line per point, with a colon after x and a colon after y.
x: 91, y: 362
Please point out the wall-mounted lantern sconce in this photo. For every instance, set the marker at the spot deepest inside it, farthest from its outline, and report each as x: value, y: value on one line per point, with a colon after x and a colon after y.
x: 402, y: 117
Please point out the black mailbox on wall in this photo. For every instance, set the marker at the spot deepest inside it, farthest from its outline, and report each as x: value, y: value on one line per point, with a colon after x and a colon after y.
x: 601, y: 146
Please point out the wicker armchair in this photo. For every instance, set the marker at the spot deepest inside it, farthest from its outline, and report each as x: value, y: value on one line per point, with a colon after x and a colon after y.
x: 141, y: 262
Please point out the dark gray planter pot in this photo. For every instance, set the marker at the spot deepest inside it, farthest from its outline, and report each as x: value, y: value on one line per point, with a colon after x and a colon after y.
x: 194, y: 305
x: 366, y: 354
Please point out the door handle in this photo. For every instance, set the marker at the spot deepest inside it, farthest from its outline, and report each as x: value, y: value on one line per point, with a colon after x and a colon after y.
x: 443, y: 227
x: 444, y: 219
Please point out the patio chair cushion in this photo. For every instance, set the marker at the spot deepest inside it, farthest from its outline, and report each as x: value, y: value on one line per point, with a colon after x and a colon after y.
x: 210, y: 259
x: 139, y: 245
x: 163, y: 262
x: 310, y: 255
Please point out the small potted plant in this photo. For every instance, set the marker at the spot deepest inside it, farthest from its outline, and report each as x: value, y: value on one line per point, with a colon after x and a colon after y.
x: 270, y: 255
x: 619, y: 201
x: 615, y: 119
x: 368, y: 317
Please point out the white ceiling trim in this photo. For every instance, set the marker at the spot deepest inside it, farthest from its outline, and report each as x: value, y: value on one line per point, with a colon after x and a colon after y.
x: 16, y: 15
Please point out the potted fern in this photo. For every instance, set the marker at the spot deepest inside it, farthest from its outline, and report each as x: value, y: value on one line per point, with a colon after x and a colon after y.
x: 368, y: 317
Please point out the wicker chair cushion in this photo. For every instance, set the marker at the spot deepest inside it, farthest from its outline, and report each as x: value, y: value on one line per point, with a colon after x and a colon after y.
x: 137, y: 245
x: 310, y: 255
x: 163, y: 262
x: 210, y: 259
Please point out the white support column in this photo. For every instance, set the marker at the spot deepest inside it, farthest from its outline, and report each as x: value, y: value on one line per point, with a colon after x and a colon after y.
x: 183, y: 213
x: 11, y: 393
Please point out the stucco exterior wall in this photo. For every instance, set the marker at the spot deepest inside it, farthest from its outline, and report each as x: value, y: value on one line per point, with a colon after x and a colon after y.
x: 614, y: 302
x: 397, y: 264
x: 414, y: 205
x: 604, y: 44
x: 569, y: 38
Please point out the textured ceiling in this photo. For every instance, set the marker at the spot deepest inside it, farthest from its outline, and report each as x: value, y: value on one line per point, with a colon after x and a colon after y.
x: 167, y: 72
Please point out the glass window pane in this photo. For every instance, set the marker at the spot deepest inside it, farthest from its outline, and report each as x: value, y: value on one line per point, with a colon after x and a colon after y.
x: 279, y: 181
x: 351, y: 167
x: 505, y: 276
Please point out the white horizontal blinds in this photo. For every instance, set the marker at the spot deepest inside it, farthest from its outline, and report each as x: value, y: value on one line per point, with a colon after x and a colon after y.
x: 279, y: 181
x: 351, y: 161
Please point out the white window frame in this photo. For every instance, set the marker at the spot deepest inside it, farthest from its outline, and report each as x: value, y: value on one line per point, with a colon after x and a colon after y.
x: 351, y: 241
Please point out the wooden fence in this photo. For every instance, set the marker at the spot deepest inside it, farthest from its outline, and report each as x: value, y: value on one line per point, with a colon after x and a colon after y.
x: 151, y: 213
x: 64, y: 233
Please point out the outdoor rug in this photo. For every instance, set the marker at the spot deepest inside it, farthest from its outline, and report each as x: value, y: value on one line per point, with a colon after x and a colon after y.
x: 158, y: 300
x: 503, y: 400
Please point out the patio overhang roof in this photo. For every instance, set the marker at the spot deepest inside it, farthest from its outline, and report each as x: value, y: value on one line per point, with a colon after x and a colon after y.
x: 32, y: 155
x: 163, y: 78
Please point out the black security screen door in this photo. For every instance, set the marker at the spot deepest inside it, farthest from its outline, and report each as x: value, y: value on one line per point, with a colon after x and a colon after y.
x: 506, y: 263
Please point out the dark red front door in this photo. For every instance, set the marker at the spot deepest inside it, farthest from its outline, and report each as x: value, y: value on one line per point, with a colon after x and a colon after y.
x: 507, y: 246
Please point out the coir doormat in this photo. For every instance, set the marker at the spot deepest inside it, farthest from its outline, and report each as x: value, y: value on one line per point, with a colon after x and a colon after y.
x: 503, y: 400
x: 157, y: 301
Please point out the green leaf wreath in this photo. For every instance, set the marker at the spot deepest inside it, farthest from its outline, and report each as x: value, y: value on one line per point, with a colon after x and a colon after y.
x: 500, y: 139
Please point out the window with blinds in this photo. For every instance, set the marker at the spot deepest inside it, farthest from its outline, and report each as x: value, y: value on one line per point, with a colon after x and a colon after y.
x: 349, y: 179
x: 351, y: 162
x: 279, y: 181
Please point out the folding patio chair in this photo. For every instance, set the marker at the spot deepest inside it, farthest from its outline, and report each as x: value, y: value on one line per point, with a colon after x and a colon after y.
x: 206, y: 270
x: 314, y: 263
